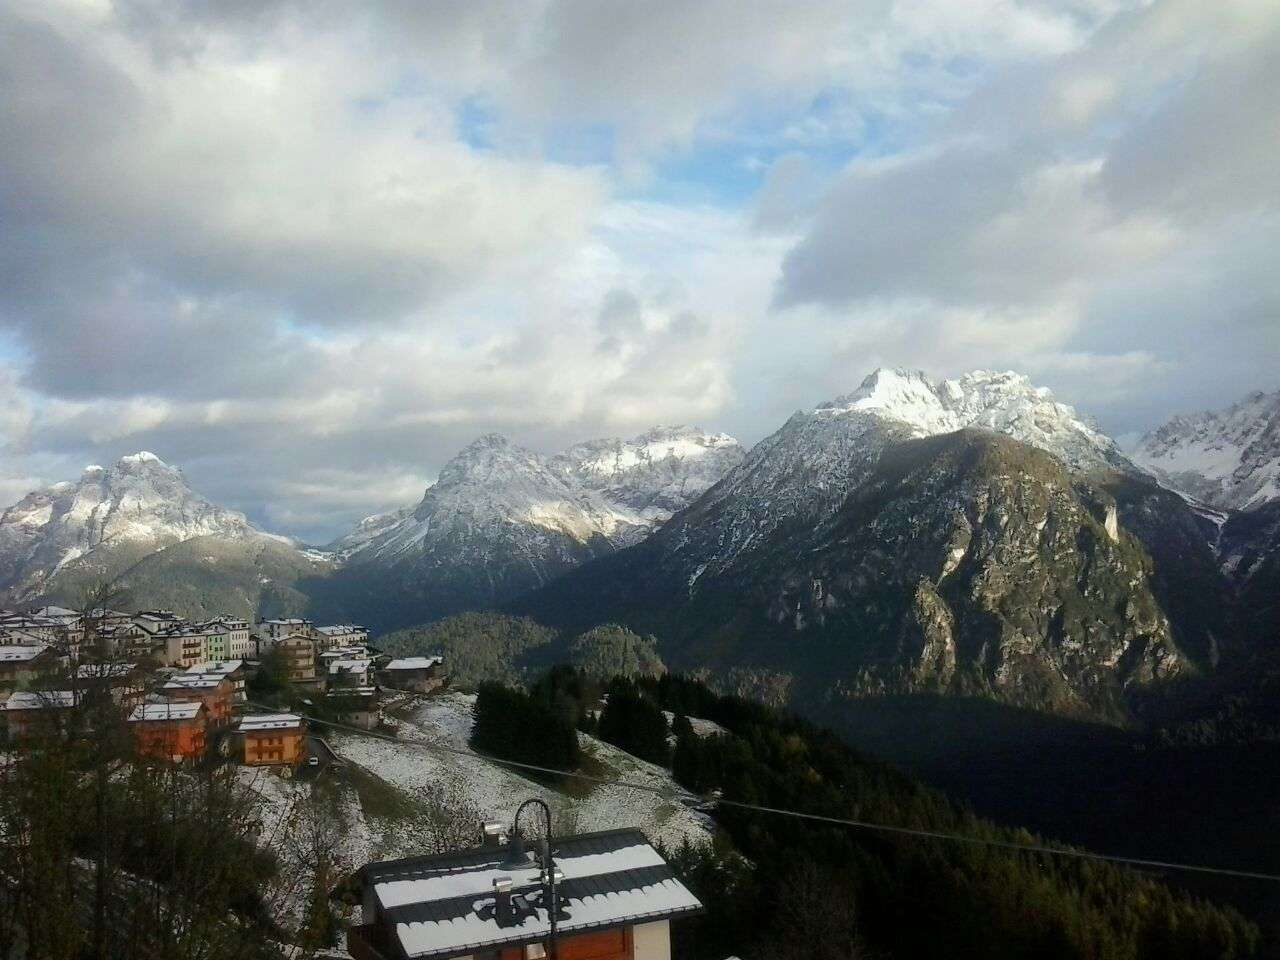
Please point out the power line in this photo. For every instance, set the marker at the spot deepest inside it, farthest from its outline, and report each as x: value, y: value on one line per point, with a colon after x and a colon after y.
x: 813, y: 817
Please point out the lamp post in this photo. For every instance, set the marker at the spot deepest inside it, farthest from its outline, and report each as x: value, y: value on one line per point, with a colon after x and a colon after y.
x: 517, y: 857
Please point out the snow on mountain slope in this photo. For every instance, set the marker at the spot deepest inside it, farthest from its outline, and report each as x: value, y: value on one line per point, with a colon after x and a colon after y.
x: 1228, y: 458
x: 655, y: 474
x: 368, y: 530
x: 806, y: 469
x: 484, y: 492
x: 1004, y: 403
x: 138, y: 504
x: 612, y: 490
x: 391, y: 800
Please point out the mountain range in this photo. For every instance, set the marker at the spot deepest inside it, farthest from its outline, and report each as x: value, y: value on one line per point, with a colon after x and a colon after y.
x: 966, y: 536
x: 501, y: 520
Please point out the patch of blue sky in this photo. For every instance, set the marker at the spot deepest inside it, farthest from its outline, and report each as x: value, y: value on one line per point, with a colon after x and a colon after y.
x: 476, y: 122
x: 726, y: 169
x: 12, y: 351
x: 582, y: 144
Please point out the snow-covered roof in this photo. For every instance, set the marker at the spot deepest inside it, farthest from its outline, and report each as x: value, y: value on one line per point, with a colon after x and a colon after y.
x: 347, y: 653
x: 353, y: 691
x: 40, y: 700
x: 292, y: 637
x: 56, y: 613
x: 195, y: 681
x: 12, y: 653
x: 220, y: 667
x: 443, y: 905
x: 341, y: 628
x: 413, y: 663
x: 167, y: 710
x: 269, y: 721
x: 350, y: 666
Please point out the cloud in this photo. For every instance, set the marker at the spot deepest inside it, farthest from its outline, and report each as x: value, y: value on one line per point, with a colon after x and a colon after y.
x: 309, y: 250
x: 1070, y: 191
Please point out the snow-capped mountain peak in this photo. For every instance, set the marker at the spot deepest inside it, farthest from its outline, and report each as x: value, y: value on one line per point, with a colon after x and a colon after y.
x: 138, y: 500
x: 613, y: 491
x: 655, y: 474
x: 1228, y: 458
x: 806, y: 469
x: 501, y: 519
x: 907, y: 396
x: 1004, y: 402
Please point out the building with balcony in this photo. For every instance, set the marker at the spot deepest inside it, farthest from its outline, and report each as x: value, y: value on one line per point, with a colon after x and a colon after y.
x: 216, y: 691
x: 272, y: 738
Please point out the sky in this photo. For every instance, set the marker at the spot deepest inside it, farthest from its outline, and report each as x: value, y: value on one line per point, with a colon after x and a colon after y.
x: 309, y: 250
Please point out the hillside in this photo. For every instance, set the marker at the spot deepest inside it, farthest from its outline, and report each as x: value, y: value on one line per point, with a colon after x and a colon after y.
x: 251, y: 577
x: 501, y: 520
x: 962, y: 563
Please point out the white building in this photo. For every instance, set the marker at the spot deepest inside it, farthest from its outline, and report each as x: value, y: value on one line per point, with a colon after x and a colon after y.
x: 342, y: 635
x: 237, y: 645
x: 157, y: 621
x: 270, y: 632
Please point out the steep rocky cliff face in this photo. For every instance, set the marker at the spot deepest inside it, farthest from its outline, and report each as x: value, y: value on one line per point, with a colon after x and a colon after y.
x: 963, y: 563
x: 1249, y: 548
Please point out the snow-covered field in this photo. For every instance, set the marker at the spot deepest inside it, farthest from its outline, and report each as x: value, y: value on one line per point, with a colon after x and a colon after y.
x: 493, y: 792
x: 387, y: 799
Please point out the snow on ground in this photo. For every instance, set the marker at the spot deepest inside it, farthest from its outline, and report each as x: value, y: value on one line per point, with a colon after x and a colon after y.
x: 386, y: 800
x: 701, y: 728
x: 495, y: 792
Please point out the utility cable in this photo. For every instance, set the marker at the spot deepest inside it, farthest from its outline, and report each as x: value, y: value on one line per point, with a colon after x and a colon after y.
x: 799, y: 814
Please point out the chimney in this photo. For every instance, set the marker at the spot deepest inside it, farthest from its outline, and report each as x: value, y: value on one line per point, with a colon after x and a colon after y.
x: 493, y: 835
x: 502, y: 901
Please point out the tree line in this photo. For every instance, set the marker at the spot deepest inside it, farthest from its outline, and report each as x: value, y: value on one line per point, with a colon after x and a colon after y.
x: 783, y: 888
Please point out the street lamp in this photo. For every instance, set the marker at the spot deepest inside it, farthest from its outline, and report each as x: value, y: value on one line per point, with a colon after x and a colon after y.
x: 516, y: 857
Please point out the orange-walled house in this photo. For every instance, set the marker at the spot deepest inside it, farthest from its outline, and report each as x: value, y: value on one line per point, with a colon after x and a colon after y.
x: 272, y: 738
x: 172, y: 730
x: 216, y: 691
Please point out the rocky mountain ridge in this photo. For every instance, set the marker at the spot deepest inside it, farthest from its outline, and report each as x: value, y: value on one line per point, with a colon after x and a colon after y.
x: 964, y: 562
x: 1020, y: 556
x: 798, y: 476
x: 137, y: 505
x: 500, y: 519
x: 1229, y: 459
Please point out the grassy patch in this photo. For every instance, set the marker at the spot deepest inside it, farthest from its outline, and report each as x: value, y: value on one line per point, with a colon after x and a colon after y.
x: 378, y: 799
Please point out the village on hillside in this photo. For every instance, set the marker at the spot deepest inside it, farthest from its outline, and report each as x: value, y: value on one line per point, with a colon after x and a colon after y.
x: 193, y: 693
x: 184, y: 682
